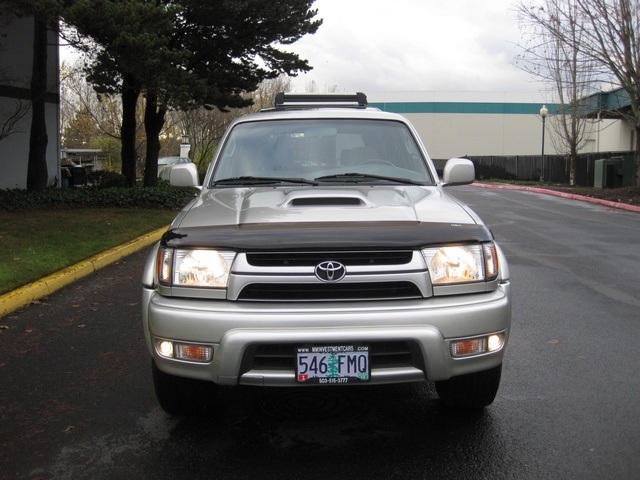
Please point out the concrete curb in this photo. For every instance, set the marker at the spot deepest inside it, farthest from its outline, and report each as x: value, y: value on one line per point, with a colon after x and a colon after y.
x: 12, y: 301
x: 556, y: 193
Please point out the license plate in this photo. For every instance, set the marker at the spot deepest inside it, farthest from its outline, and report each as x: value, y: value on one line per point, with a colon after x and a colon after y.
x: 331, y: 364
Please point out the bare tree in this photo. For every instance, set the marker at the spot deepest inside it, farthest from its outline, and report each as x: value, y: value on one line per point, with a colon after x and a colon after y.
x: 11, y: 115
x: 312, y: 87
x: 77, y: 96
x: 608, y: 36
x: 10, y: 118
x: 553, y: 33
x: 205, y: 126
x: 265, y: 95
x: 88, y: 117
x: 85, y: 113
x: 611, y: 40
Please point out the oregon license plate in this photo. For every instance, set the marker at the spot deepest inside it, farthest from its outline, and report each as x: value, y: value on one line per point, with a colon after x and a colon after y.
x: 333, y: 364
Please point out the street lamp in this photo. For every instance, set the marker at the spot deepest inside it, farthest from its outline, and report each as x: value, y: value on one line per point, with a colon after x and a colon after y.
x: 185, y: 146
x: 544, y: 111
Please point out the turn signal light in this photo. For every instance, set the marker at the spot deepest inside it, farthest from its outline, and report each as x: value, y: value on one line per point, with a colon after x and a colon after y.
x: 477, y: 345
x: 463, y: 348
x: 194, y: 353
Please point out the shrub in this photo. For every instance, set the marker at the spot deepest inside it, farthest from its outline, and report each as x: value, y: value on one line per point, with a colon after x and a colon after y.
x: 161, y: 197
x: 105, y: 179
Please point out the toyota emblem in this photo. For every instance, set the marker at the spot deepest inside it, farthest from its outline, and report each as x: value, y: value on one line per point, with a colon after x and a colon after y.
x: 330, y: 271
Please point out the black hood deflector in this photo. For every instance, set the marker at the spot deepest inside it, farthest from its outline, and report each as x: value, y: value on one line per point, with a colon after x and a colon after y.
x: 325, y: 236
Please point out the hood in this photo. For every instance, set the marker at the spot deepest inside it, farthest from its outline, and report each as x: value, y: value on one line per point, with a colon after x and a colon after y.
x: 268, y: 205
x: 265, y: 219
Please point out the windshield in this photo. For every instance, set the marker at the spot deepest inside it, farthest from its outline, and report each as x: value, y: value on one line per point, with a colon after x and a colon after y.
x: 319, y: 151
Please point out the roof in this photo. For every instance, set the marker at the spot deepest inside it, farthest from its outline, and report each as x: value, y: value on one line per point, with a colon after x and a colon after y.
x: 609, y: 104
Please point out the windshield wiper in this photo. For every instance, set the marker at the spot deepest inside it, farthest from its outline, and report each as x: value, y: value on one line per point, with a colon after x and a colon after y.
x: 249, y: 180
x: 364, y: 177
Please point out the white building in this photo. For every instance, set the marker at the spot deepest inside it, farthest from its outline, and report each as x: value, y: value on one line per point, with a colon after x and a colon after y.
x: 490, y: 123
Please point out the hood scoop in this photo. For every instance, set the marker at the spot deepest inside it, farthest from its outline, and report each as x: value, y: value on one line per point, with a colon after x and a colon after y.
x: 326, y: 200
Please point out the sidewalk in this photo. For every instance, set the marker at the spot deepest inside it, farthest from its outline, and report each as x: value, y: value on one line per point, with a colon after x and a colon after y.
x: 17, y: 299
x: 571, y: 196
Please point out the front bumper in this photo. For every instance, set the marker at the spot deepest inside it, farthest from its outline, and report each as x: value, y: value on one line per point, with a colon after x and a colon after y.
x: 234, y: 329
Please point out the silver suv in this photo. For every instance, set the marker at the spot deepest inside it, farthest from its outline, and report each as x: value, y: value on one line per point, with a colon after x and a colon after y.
x: 323, y: 250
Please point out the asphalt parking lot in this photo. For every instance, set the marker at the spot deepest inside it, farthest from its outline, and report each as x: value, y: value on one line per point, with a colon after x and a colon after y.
x: 77, y: 398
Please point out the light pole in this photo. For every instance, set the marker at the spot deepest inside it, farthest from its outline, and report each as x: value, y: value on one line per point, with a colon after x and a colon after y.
x: 544, y: 111
x: 185, y: 146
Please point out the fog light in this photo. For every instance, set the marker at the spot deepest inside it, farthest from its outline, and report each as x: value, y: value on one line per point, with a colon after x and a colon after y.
x: 473, y: 346
x: 495, y: 342
x: 193, y: 353
x: 165, y: 348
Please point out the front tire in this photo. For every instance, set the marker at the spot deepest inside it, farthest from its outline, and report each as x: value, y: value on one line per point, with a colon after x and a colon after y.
x: 182, y: 396
x: 472, y: 391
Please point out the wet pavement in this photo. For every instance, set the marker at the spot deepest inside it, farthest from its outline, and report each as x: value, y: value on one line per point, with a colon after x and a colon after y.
x: 77, y: 401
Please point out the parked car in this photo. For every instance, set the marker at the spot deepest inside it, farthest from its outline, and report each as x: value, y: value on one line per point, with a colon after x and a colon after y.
x: 165, y: 164
x: 323, y: 249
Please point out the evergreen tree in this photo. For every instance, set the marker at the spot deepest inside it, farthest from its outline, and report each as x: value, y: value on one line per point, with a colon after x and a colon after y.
x: 184, y: 54
x: 127, y: 41
x: 332, y: 363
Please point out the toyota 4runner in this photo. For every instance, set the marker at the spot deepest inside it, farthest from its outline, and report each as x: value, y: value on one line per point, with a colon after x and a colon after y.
x: 323, y: 249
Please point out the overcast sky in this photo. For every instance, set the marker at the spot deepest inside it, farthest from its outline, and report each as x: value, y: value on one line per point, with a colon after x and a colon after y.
x: 414, y: 45
x: 377, y: 46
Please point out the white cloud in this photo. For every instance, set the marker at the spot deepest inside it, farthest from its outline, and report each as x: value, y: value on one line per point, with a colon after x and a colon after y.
x: 414, y: 45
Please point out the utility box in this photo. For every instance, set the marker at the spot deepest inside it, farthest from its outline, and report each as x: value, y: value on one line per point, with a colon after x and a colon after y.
x: 614, y: 172
x: 79, y: 175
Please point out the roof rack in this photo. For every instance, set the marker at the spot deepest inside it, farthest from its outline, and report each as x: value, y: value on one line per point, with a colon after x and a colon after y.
x: 287, y: 101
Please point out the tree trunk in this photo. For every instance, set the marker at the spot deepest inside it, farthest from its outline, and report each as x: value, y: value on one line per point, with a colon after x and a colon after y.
x: 573, y: 160
x: 37, y: 174
x: 130, y: 94
x: 154, y: 116
x: 637, y: 158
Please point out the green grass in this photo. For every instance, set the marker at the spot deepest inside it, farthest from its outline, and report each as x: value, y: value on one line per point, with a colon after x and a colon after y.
x: 36, y: 243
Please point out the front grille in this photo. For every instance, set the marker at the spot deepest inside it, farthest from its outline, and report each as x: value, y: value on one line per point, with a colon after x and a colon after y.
x: 282, y: 357
x: 305, y: 292
x: 311, y: 259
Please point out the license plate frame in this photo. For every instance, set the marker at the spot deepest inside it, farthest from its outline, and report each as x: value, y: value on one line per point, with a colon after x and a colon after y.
x: 333, y: 364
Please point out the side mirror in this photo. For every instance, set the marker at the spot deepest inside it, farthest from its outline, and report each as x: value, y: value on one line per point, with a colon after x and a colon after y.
x: 458, y: 171
x: 184, y: 175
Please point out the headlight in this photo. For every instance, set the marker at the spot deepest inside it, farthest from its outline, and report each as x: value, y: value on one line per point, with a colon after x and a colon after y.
x: 461, y: 263
x: 194, y: 268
